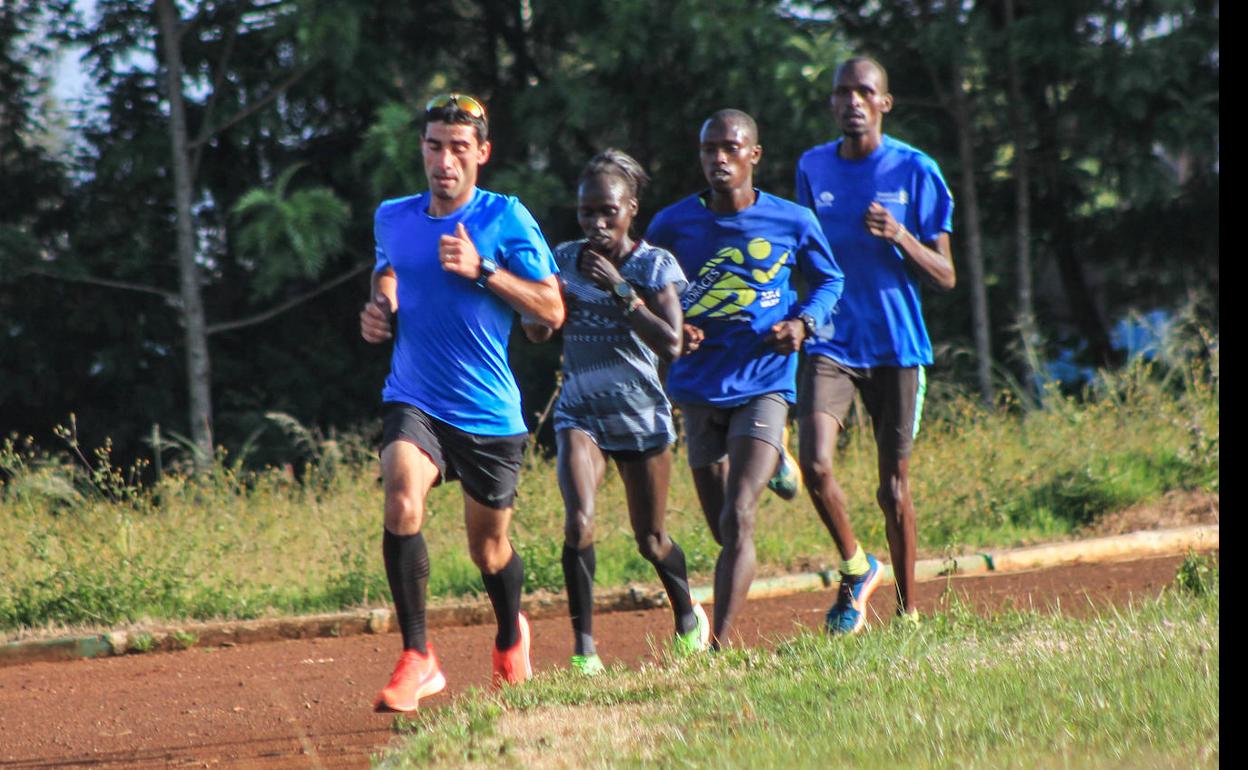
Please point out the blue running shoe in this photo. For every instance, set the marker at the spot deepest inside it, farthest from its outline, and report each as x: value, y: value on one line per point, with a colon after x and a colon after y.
x: 849, y: 614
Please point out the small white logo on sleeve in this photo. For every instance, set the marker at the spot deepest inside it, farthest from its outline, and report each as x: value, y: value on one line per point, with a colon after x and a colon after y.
x: 825, y: 199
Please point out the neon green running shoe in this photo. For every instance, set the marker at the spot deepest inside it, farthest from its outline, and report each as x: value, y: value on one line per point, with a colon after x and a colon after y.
x: 697, y: 638
x: 589, y: 665
x: 909, y: 620
x: 787, y: 479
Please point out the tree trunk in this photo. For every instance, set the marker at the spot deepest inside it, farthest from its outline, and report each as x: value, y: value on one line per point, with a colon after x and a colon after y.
x: 974, y: 240
x: 198, y: 363
x: 1082, y: 305
x: 1025, y: 316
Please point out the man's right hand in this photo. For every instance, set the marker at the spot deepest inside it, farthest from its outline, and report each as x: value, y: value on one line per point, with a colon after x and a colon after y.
x: 692, y: 338
x: 375, y: 320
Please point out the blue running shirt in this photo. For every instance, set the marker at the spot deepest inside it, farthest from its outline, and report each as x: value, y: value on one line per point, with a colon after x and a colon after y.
x: 450, y: 355
x: 879, y: 321
x: 739, y: 268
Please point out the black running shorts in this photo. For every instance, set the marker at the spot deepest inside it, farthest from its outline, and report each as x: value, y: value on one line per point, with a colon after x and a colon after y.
x: 488, y: 467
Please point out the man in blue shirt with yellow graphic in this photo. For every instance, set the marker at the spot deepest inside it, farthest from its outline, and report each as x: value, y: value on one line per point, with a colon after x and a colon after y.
x: 887, y: 213
x: 454, y: 266
x: 738, y: 247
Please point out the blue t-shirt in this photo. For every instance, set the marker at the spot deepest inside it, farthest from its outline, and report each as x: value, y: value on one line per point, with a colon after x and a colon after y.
x: 879, y: 321
x: 450, y: 355
x: 739, y: 268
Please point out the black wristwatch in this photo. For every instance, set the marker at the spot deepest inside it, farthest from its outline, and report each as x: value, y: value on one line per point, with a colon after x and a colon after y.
x: 809, y: 322
x: 488, y: 268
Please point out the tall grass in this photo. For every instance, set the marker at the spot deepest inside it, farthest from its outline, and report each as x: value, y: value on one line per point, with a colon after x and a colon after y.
x: 1133, y: 687
x: 82, y: 542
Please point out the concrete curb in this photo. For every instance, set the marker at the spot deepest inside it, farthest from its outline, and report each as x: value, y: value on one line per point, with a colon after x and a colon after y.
x: 377, y: 621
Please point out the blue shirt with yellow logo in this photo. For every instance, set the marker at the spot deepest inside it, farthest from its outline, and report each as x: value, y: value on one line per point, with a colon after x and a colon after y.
x: 739, y: 268
x: 879, y: 321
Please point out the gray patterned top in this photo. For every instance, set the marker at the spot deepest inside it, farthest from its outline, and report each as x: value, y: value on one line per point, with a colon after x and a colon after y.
x: 611, y: 388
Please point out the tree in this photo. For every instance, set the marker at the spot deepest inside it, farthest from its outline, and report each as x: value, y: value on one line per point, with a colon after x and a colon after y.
x: 1025, y: 313
x: 1111, y: 89
x: 35, y: 184
x: 217, y: 36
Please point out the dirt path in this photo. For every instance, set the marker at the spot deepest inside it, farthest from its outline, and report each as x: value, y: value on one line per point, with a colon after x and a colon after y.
x: 300, y: 704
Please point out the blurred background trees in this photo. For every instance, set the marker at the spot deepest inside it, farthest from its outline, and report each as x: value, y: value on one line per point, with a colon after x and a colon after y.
x: 188, y: 244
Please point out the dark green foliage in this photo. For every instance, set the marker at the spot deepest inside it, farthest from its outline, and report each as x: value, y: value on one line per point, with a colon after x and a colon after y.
x: 302, y: 117
x: 1198, y: 575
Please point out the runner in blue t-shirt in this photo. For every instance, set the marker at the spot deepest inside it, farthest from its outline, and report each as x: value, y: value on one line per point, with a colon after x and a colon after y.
x: 454, y: 265
x: 624, y: 317
x: 887, y: 213
x: 744, y: 325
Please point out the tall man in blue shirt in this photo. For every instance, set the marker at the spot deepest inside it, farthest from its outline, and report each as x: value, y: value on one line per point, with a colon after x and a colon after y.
x: 738, y: 247
x: 454, y: 265
x: 887, y: 213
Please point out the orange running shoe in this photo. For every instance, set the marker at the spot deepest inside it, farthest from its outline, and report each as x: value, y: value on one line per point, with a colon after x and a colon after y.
x: 415, y: 676
x: 512, y: 666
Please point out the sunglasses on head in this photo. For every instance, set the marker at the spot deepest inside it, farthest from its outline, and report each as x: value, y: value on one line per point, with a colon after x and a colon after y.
x: 462, y: 102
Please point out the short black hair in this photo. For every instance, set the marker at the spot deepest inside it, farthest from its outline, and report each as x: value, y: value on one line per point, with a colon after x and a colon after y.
x: 452, y: 113
x: 732, y: 116
x: 851, y: 61
x: 619, y: 164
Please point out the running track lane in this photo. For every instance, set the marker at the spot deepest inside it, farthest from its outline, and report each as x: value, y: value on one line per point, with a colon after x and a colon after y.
x: 306, y: 704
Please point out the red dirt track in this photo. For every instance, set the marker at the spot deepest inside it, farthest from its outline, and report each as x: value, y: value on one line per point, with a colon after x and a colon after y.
x: 300, y: 704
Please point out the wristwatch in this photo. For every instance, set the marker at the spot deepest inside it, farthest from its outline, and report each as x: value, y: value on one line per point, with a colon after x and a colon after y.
x: 808, y: 321
x: 623, y: 292
x: 488, y: 268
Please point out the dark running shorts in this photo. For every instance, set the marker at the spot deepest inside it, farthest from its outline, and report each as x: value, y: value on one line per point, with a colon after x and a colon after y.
x: 636, y: 455
x: 488, y: 467
x: 890, y: 394
x: 708, y: 429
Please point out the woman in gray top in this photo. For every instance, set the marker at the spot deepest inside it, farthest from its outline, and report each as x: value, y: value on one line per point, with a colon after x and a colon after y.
x: 623, y: 316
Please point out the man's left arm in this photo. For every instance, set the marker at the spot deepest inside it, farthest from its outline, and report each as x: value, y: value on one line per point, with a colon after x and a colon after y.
x: 826, y: 281
x: 934, y: 259
x: 928, y: 248
x: 537, y: 299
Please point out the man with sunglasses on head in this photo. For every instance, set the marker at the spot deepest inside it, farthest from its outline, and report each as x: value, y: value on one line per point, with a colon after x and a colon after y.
x: 739, y: 246
x: 888, y: 214
x: 454, y: 265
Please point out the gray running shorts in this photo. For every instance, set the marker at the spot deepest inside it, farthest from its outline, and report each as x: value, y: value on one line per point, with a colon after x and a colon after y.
x: 708, y: 429
x: 891, y: 395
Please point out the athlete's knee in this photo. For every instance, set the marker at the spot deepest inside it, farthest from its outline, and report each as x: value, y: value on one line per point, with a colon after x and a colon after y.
x: 892, y: 493
x: 736, y: 526
x: 490, y: 553
x: 405, y: 511
x: 817, y: 470
x: 653, y: 546
x: 578, y: 529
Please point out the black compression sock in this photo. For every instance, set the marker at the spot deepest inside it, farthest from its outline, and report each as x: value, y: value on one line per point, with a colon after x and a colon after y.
x: 504, y: 590
x: 407, y: 570
x: 578, y: 576
x: 675, y: 577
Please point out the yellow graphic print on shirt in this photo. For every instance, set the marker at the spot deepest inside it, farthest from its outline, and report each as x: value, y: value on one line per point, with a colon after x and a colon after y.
x: 728, y: 293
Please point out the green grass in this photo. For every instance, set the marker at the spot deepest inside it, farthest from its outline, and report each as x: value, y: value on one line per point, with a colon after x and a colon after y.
x: 93, y: 547
x: 1134, y: 687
